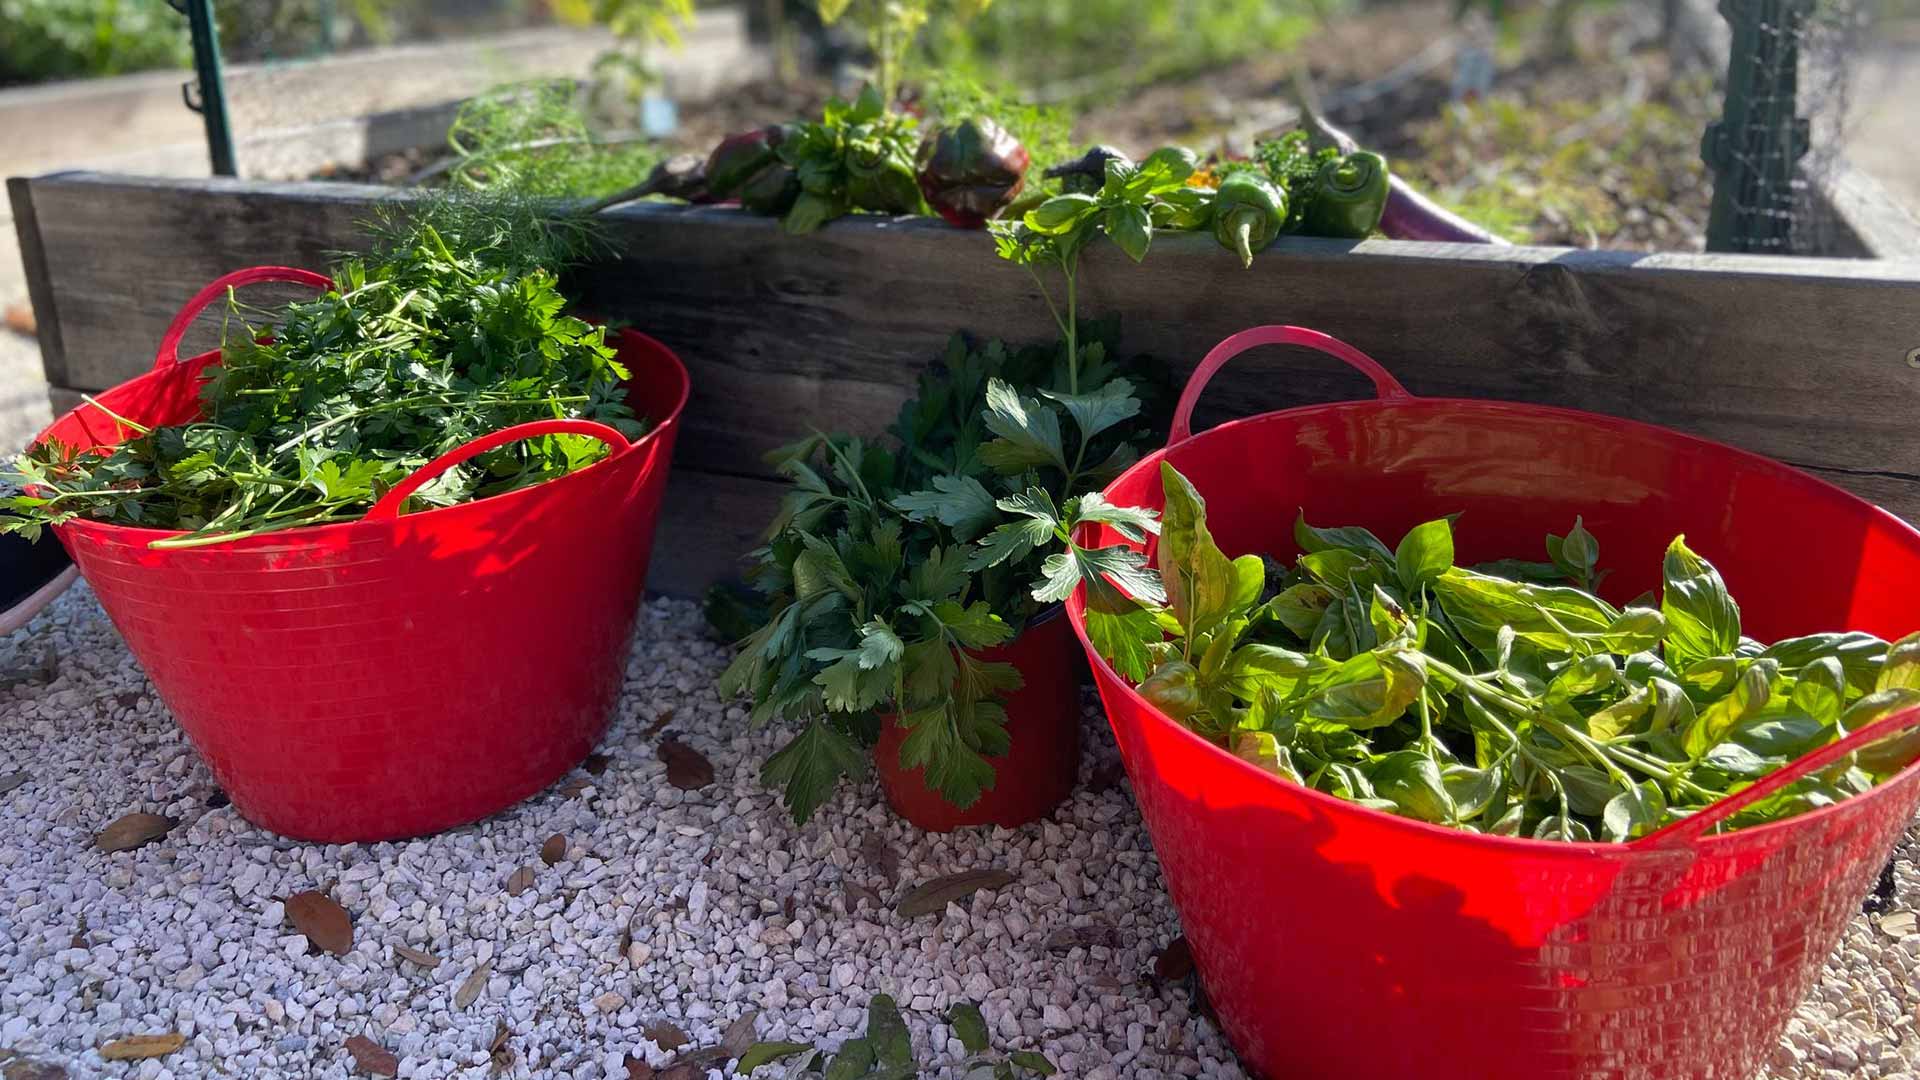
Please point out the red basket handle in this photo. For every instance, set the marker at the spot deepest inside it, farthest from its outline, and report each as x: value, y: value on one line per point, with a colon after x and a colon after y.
x: 1384, y: 384
x: 389, y: 505
x: 169, y: 353
x: 1695, y: 825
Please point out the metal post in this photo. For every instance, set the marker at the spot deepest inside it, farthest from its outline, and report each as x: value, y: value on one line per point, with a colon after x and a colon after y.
x: 212, y: 103
x: 1756, y: 145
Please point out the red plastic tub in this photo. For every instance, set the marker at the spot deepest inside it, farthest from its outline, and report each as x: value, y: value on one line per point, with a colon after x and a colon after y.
x: 1338, y: 941
x: 1043, y: 728
x: 404, y: 673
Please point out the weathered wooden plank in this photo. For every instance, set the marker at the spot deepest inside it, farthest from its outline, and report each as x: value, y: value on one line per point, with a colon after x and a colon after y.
x: 40, y: 294
x: 1801, y: 359
x: 708, y: 522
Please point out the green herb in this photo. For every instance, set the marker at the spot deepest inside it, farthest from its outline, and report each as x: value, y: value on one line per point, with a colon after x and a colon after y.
x: 1054, y: 233
x: 885, y: 1050
x: 1291, y: 164
x: 453, y: 328
x: 879, y: 603
x: 1505, y: 698
x: 891, y: 27
x: 535, y: 138
x: 859, y: 156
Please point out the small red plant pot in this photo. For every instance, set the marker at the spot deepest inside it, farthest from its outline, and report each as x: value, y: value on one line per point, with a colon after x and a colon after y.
x: 1043, y: 726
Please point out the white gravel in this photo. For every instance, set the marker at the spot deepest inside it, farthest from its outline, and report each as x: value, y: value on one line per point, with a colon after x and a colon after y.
x: 731, y: 909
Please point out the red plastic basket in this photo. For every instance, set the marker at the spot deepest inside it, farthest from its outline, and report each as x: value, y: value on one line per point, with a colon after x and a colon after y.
x: 404, y: 673
x: 1338, y: 941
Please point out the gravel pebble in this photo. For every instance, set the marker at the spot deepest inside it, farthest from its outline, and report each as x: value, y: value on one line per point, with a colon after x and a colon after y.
x: 727, y: 908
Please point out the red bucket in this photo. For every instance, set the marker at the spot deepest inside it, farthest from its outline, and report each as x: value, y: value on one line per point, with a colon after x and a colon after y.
x: 404, y: 673
x: 1043, y: 740
x: 1338, y: 941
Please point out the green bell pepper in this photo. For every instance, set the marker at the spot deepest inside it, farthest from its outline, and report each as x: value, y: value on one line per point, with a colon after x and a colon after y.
x: 1349, y: 195
x: 1248, y: 214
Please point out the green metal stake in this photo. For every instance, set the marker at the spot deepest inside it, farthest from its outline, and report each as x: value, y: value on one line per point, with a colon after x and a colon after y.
x: 212, y: 105
x: 1756, y: 145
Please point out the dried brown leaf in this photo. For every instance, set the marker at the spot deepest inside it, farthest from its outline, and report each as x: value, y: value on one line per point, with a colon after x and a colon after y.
x: 520, y: 881
x: 856, y: 893
x: 130, y: 831
x: 1083, y: 937
x: 881, y: 856
x: 638, y: 1069
x: 935, y: 895
x: 596, y: 763
x: 1175, y: 962
x: 701, y: 1060
x: 739, y: 1034
x: 498, y: 1050
x: 554, y: 850
x: 680, y: 1071
x: 13, y: 780
x: 666, y: 1035
x: 326, y: 924
x: 19, y: 319
x: 687, y: 769
x: 372, y: 1058
x: 141, y: 1047
x: 471, y: 987
x: 573, y: 788
x: 424, y: 959
x: 659, y: 724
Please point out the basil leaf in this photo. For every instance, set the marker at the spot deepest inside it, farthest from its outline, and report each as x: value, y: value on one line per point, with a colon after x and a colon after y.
x: 1349, y: 538
x: 1201, y: 583
x: 1424, y: 553
x: 1702, y: 619
x: 1635, y: 812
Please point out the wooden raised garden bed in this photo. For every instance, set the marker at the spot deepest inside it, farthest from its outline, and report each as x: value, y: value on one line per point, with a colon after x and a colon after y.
x: 1812, y: 361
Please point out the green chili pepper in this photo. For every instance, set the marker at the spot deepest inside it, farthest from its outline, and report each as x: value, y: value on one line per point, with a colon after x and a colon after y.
x: 1349, y: 195
x: 770, y: 191
x: 1248, y: 213
x: 881, y: 179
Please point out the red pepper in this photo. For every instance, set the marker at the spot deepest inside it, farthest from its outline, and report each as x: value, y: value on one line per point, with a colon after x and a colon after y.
x: 971, y: 170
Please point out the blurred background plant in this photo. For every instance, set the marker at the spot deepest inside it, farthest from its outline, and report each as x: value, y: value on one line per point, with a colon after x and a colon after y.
x: 66, y: 39
x: 1574, y: 170
x: 639, y: 26
x: 1072, y: 51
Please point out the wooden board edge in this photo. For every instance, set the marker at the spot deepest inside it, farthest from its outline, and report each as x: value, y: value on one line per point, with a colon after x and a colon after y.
x: 867, y: 229
x: 40, y: 292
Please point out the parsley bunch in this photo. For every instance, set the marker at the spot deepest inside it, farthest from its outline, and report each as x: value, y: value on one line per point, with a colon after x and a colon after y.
x: 889, y: 568
x: 451, y: 329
